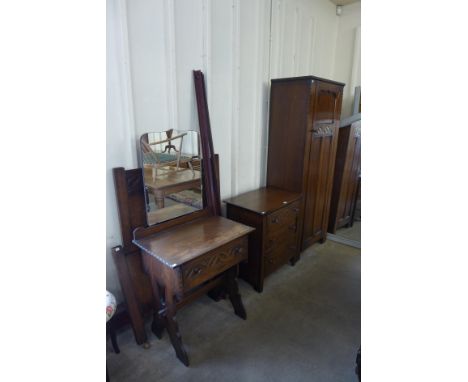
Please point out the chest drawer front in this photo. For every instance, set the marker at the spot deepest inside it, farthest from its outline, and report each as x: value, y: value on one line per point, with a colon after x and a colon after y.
x: 283, y: 219
x: 278, y: 239
x: 213, y: 263
x: 281, y: 237
x: 279, y: 255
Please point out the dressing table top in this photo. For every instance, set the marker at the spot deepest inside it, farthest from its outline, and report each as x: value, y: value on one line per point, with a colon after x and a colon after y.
x: 185, y: 242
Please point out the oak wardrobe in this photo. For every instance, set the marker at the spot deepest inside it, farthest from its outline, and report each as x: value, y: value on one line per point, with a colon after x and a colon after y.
x: 303, y: 134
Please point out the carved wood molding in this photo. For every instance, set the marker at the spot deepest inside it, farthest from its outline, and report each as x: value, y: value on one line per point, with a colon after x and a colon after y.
x: 323, y: 131
x: 219, y: 261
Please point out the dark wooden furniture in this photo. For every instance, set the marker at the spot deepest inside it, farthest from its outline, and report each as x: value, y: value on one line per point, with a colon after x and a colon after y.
x: 189, y: 260
x: 165, y: 266
x: 356, y: 201
x: 211, y: 187
x: 346, y: 177
x: 303, y: 131
x: 275, y: 214
x: 135, y: 283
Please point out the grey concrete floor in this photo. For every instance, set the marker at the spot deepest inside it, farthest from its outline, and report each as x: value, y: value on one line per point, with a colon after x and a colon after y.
x: 305, y: 326
x: 352, y: 233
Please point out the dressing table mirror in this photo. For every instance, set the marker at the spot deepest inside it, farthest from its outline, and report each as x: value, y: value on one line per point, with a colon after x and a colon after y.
x: 172, y: 169
x: 176, y: 245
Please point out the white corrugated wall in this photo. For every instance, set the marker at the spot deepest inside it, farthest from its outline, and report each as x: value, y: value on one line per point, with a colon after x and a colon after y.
x: 153, y: 46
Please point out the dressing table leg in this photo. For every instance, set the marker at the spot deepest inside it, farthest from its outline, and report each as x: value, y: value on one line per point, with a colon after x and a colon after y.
x: 233, y: 291
x: 157, y: 326
x: 173, y: 328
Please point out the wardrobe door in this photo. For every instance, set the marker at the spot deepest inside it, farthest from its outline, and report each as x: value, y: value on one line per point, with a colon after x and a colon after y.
x: 320, y: 177
x: 323, y: 137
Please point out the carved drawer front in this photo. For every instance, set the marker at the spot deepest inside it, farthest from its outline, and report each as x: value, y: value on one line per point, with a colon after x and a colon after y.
x: 213, y: 263
x: 282, y: 221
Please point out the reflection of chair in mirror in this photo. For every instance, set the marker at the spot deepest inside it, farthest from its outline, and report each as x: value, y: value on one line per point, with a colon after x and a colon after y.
x: 155, y: 156
x: 170, y: 146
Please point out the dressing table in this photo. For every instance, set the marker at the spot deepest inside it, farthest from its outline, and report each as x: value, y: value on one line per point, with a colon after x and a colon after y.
x: 189, y: 260
x: 164, y: 266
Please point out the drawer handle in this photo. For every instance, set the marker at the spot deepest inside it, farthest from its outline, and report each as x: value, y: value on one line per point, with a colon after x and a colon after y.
x: 275, y: 220
x: 293, y: 227
x: 197, y: 271
x: 238, y: 250
x: 296, y: 209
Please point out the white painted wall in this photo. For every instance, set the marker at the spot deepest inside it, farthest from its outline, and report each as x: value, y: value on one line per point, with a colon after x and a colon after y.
x: 348, y: 54
x: 120, y: 131
x: 304, y: 35
x: 230, y: 41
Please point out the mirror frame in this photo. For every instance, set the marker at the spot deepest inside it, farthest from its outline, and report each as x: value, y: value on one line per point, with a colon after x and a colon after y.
x: 210, y: 169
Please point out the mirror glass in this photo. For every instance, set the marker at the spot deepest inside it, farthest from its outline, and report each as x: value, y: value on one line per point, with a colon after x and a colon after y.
x: 171, y: 162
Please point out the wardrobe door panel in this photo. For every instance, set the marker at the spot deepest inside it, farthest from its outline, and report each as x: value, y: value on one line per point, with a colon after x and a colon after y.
x: 327, y: 103
x: 324, y: 115
x: 310, y: 200
x: 332, y: 144
x: 321, y: 165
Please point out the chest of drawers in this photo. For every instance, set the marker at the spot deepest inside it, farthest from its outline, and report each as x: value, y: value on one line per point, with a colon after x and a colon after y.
x: 275, y: 215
